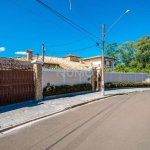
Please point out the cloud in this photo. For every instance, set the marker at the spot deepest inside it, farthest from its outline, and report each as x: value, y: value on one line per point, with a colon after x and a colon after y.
x: 2, y: 49
x: 21, y: 53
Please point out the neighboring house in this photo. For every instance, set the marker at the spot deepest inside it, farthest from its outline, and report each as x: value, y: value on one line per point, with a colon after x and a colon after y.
x: 97, y: 60
x: 72, y: 57
x: 69, y: 62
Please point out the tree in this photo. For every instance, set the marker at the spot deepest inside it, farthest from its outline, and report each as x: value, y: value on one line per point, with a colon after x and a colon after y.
x: 120, y: 68
x: 122, y: 53
x: 126, y: 52
x: 130, y: 56
x: 142, y: 52
x: 111, y: 51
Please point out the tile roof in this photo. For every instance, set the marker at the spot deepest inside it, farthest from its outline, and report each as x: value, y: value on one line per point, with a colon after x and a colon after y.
x: 63, y: 63
x: 72, y: 55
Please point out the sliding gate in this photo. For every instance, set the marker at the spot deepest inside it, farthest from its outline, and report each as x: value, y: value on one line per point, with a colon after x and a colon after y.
x: 16, y: 81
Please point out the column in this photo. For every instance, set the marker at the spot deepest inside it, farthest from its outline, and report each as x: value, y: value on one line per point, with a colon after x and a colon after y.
x: 37, y: 66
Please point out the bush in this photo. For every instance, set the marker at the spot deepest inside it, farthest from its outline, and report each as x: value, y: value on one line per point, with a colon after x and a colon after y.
x: 126, y: 84
x: 63, y: 89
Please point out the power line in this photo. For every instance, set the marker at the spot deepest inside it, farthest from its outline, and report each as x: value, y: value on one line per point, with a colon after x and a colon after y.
x: 71, y: 42
x: 132, y: 16
x: 84, y: 13
x: 81, y: 49
x: 67, y: 20
x: 67, y: 43
x: 41, y: 16
x: 50, y: 22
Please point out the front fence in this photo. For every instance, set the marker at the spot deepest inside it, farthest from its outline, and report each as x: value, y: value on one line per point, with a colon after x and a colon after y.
x: 126, y: 77
x: 16, y: 82
x: 65, y: 77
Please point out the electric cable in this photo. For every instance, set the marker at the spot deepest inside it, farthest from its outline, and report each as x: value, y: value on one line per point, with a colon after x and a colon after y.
x: 41, y: 16
x: 85, y: 48
x: 50, y: 22
x: 131, y: 16
x: 84, y: 13
x: 67, y: 20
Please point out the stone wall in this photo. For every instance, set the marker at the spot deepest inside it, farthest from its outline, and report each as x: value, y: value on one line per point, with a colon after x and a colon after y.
x: 38, y: 81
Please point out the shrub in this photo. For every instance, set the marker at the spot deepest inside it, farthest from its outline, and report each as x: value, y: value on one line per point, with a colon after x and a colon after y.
x: 126, y: 84
x: 63, y: 89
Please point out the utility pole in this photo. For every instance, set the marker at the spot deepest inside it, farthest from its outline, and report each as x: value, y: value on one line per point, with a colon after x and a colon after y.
x: 43, y: 53
x: 103, y: 41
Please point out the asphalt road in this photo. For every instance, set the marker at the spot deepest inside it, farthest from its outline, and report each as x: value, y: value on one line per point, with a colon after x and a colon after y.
x: 116, y: 123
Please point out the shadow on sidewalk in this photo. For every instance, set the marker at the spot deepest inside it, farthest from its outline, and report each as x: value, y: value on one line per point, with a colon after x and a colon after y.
x: 19, y: 105
x: 33, y: 103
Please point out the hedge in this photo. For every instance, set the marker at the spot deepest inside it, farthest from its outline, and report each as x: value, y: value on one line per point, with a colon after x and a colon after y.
x: 63, y: 89
x: 126, y: 84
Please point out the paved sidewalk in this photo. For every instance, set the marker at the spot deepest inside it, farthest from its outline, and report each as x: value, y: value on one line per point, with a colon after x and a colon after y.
x: 14, y: 115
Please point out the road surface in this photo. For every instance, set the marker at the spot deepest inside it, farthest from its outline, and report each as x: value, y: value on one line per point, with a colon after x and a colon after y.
x: 116, y: 123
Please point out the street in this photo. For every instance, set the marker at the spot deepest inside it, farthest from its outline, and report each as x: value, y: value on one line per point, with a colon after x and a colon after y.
x: 116, y: 123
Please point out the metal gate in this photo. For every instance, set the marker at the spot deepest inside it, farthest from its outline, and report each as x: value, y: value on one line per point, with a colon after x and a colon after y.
x: 16, y: 81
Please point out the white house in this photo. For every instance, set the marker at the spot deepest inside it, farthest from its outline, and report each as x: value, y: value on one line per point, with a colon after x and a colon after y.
x: 97, y: 60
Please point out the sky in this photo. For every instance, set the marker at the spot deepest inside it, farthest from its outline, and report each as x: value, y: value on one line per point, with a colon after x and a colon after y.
x: 26, y: 24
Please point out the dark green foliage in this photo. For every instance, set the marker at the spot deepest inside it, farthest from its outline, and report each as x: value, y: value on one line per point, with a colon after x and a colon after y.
x: 111, y: 51
x: 107, y: 70
x: 130, y: 56
x: 126, y: 84
x: 57, y: 67
x: 63, y: 89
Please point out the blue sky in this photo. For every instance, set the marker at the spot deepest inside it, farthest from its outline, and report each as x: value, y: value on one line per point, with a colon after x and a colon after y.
x: 26, y: 24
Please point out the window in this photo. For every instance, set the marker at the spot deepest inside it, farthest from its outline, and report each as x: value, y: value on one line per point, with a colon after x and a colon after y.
x: 109, y: 63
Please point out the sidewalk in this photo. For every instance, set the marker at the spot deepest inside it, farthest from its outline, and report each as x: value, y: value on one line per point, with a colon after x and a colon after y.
x: 18, y: 114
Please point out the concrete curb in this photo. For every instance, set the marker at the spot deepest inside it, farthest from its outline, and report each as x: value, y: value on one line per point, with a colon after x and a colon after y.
x: 64, y: 109
x: 47, y: 115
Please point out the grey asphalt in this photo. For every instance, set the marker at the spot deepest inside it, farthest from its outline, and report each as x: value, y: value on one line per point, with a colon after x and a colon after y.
x: 116, y: 123
x: 14, y: 115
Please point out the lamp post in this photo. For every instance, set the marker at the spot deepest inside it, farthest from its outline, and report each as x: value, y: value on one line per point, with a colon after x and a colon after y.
x: 103, y: 41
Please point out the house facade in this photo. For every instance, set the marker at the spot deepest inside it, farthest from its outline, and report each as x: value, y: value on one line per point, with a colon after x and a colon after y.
x: 97, y: 60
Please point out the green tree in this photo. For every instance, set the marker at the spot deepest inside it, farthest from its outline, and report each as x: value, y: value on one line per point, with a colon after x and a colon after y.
x: 120, y: 68
x: 122, y: 53
x: 126, y: 53
x: 111, y: 51
x: 142, y: 53
x: 130, y: 56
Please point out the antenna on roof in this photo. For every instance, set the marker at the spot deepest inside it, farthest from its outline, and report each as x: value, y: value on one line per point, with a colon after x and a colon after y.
x: 70, y: 4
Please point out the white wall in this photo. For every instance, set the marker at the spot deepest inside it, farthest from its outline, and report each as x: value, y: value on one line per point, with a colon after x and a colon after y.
x: 96, y: 62
x: 65, y: 77
x: 126, y: 77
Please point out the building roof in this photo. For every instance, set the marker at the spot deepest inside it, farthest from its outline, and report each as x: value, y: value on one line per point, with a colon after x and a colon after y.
x: 72, y: 55
x: 63, y: 63
x: 97, y: 57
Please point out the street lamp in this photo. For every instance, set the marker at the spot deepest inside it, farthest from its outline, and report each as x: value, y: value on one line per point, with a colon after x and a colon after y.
x: 103, y: 37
